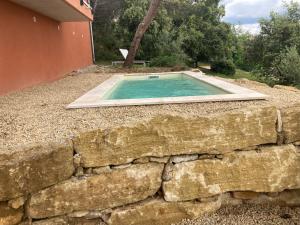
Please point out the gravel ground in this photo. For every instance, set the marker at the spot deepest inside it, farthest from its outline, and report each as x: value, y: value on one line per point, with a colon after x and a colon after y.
x: 38, y: 114
x: 250, y: 215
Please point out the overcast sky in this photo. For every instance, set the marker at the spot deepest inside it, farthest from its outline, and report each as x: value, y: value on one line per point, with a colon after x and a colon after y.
x: 248, y: 12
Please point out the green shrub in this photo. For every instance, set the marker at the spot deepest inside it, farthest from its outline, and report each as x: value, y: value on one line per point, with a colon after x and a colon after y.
x: 226, y: 67
x: 287, y: 67
x: 166, y: 61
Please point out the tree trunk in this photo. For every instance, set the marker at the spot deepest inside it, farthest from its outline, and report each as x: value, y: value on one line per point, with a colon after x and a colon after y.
x: 142, y: 28
x: 95, y: 6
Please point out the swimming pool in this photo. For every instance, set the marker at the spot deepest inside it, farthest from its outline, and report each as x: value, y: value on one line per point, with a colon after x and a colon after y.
x: 163, y: 88
x: 156, y: 86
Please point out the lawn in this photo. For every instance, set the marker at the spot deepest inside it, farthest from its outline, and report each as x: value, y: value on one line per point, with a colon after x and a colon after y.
x: 238, y: 75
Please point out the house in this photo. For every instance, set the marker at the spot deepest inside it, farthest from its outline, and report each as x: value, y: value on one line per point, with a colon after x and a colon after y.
x: 43, y: 40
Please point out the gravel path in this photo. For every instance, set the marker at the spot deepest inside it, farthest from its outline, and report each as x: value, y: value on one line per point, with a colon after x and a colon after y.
x: 250, y: 215
x: 38, y: 114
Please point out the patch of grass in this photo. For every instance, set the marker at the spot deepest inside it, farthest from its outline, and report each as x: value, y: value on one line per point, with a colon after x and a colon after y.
x: 238, y: 75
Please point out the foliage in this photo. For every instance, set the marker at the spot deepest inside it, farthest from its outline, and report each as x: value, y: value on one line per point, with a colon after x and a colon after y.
x: 287, y: 67
x: 226, y: 67
x: 246, y: 50
x: 183, y: 29
x: 167, y: 61
x: 205, y: 36
x: 273, y: 51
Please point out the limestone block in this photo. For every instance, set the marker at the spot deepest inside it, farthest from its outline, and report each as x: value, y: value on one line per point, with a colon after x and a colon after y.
x: 9, y: 216
x: 170, y: 135
x: 107, y: 190
x: 159, y: 212
x: 291, y: 123
x: 31, y: 170
x: 272, y: 169
x: 289, y: 198
x: 183, y: 158
x: 69, y: 221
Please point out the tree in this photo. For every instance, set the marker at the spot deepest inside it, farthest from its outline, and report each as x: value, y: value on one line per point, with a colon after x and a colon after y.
x: 205, y: 37
x: 287, y: 67
x: 142, y: 28
x: 269, y: 49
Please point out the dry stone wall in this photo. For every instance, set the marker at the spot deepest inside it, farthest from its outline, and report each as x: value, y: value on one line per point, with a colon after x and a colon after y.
x: 156, y: 172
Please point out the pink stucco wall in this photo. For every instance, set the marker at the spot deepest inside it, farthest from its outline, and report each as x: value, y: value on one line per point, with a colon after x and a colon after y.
x: 36, y: 49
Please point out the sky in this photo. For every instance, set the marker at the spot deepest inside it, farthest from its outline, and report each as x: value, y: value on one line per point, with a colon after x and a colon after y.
x: 248, y: 12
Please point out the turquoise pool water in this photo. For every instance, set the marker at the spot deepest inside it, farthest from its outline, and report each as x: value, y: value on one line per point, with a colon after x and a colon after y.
x: 157, y: 86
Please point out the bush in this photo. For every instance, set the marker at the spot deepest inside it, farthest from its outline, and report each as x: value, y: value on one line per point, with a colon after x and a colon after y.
x: 166, y: 61
x: 287, y: 67
x: 226, y: 67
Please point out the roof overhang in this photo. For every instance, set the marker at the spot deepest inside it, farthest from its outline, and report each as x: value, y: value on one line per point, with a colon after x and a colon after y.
x: 60, y: 10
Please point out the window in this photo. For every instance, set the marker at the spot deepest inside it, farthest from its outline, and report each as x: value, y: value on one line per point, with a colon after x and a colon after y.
x: 86, y: 3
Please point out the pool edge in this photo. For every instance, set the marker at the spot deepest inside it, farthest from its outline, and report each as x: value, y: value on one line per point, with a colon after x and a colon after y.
x: 93, y: 99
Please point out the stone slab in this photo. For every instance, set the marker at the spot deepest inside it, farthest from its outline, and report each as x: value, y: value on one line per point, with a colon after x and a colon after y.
x: 33, y: 169
x: 272, y: 169
x: 159, y: 212
x: 108, y: 190
x: 9, y: 216
x: 170, y: 135
x: 291, y: 123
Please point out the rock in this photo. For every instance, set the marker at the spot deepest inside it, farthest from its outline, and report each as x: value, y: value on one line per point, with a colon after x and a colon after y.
x: 174, y: 135
x: 279, y: 122
x: 291, y: 123
x: 219, y: 156
x: 78, y: 214
x: 276, y: 168
x: 273, y: 194
x: 245, y: 195
x: 159, y: 212
x: 280, y: 138
x: 30, y: 170
x: 141, y: 160
x: 297, y: 143
x: 228, y: 200
x: 107, y: 190
x: 209, y: 199
x: 69, y: 221
x: 9, y: 216
x: 17, y: 203
x: 167, y: 173
x: 289, y: 198
x: 94, y: 215
x: 100, y: 170
x: 183, y: 158
x: 87, y: 214
x: 207, y: 156
x: 160, y: 160
x: 79, y: 172
x: 120, y: 167
x: 88, y: 171
x: 77, y: 159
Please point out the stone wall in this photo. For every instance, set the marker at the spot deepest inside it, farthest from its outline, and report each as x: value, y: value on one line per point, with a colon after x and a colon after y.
x: 156, y: 172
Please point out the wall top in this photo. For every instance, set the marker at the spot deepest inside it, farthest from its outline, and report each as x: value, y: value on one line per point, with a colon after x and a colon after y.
x: 60, y: 10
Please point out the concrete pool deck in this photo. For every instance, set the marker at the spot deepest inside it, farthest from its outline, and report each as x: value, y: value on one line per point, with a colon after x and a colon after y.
x: 94, y: 98
x: 38, y: 114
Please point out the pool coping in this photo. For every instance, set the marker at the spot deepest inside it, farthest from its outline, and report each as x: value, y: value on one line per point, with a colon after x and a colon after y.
x: 92, y: 99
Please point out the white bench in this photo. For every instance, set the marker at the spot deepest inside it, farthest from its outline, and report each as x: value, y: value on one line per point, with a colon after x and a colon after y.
x: 124, y: 53
x: 139, y: 62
